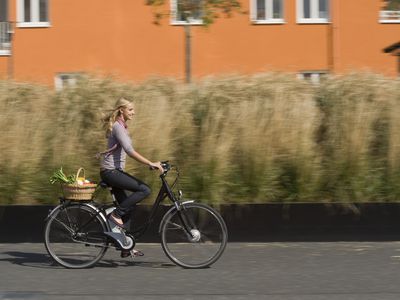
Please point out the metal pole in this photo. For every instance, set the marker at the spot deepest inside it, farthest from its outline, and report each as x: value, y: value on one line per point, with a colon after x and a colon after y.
x: 333, y: 9
x: 188, y: 54
x: 10, y: 65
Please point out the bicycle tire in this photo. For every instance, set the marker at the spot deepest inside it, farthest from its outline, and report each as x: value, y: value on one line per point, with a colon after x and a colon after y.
x: 84, y: 249
x: 206, y: 243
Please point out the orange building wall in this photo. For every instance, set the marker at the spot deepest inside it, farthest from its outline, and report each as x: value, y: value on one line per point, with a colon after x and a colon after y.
x: 3, y: 67
x: 106, y: 37
x: 236, y: 45
x: 118, y: 38
x: 360, y: 38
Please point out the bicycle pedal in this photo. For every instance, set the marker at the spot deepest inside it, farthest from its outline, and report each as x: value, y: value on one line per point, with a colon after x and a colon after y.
x: 126, y: 254
x: 134, y: 254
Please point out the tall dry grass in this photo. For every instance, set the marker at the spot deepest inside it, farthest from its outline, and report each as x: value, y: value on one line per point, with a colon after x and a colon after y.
x: 268, y: 137
x: 359, y: 138
x: 254, y: 145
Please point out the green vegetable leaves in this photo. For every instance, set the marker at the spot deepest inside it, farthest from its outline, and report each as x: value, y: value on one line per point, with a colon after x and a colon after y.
x: 60, y: 177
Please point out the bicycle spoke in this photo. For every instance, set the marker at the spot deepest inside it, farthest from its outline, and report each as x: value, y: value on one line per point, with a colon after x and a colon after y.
x: 65, y: 226
x: 176, y: 225
x: 199, y: 245
x: 75, y: 249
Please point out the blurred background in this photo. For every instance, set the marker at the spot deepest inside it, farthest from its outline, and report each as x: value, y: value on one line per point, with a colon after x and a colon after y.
x: 256, y: 100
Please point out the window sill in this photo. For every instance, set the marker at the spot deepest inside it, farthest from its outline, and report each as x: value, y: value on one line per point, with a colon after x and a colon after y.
x: 194, y: 22
x: 389, y: 21
x: 33, y: 24
x: 268, y: 22
x: 313, y: 21
x: 5, y: 52
x: 389, y: 16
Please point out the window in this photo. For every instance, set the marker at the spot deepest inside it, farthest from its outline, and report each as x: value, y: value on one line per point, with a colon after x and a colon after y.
x: 181, y: 7
x: 314, y: 77
x: 267, y: 11
x: 390, y: 12
x: 66, y: 80
x: 313, y: 11
x: 33, y: 13
x: 6, y: 31
x: 3, y: 10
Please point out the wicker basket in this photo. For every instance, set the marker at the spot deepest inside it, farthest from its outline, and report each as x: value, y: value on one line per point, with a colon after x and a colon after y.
x: 79, y: 192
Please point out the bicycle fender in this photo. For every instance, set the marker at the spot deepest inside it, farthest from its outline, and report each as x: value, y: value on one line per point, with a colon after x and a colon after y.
x: 97, y: 211
x: 51, y: 212
x: 174, y: 207
x: 188, y: 201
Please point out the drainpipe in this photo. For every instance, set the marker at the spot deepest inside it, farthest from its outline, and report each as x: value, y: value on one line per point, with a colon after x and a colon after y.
x: 330, y: 48
x: 331, y: 37
x: 188, y: 52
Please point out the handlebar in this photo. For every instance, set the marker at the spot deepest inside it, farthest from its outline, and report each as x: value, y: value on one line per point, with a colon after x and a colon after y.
x: 165, y: 165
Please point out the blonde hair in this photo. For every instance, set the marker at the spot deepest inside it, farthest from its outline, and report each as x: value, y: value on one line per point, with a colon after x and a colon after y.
x: 112, y: 115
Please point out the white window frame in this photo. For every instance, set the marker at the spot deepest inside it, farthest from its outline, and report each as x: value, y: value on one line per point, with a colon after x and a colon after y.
x: 314, y: 18
x: 389, y: 16
x: 35, y: 14
x: 5, y: 38
x: 174, y: 15
x: 6, y: 10
x: 69, y: 80
x: 269, y: 19
x: 313, y: 76
x: 5, y: 52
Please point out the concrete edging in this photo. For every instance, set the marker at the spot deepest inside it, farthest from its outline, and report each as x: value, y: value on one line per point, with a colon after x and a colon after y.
x: 246, y: 222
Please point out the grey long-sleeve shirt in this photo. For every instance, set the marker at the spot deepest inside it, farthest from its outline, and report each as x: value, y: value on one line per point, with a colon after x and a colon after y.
x: 117, y: 158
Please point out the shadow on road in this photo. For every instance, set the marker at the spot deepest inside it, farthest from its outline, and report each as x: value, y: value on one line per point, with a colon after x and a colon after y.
x: 41, y: 260
x: 29, y: 259
x: 154, y: 265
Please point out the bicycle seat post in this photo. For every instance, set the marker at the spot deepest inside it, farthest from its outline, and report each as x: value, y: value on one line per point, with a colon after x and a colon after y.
x: 109, y: 188
x: 113, y: 196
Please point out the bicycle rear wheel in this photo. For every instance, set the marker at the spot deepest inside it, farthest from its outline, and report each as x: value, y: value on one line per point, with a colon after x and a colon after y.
x: 193, y: 237
x: 74, y: 236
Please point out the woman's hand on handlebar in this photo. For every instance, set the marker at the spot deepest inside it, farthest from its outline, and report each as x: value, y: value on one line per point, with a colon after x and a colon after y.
x: 156, y: 165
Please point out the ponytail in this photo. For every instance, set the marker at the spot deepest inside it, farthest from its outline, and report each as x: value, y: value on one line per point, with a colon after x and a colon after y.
x: 109, y: 119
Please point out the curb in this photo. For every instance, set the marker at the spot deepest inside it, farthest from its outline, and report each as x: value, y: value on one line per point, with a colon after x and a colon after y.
x: 246, y: 222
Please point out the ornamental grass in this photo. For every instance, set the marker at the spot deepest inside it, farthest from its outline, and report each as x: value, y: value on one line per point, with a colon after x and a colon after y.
x: 236, y: 139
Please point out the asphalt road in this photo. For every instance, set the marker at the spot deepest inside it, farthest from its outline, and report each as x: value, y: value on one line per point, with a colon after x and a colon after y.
x: 331, y: 270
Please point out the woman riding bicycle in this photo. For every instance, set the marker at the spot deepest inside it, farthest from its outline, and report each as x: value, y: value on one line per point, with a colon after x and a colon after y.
x: 113, y: 163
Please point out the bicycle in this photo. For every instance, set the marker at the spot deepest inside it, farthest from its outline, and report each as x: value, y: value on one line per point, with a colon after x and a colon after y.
x: 78, y: 234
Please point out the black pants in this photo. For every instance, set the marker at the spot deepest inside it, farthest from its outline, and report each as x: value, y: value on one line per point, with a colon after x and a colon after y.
x: 122, y: 183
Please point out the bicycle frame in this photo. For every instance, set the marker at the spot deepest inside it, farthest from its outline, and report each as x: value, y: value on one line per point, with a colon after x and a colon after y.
x: 165, y: 191
x: 192, y: 235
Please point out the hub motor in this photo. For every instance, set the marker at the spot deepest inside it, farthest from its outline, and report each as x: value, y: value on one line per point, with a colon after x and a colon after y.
x: 196, y: 235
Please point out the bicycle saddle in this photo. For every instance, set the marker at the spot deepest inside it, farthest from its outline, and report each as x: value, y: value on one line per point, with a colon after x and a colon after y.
x: 103, y: 185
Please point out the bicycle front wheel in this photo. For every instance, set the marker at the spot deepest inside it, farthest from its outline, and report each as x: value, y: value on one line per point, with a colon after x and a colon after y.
x: 74, y: 236
x: 193, y: 237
